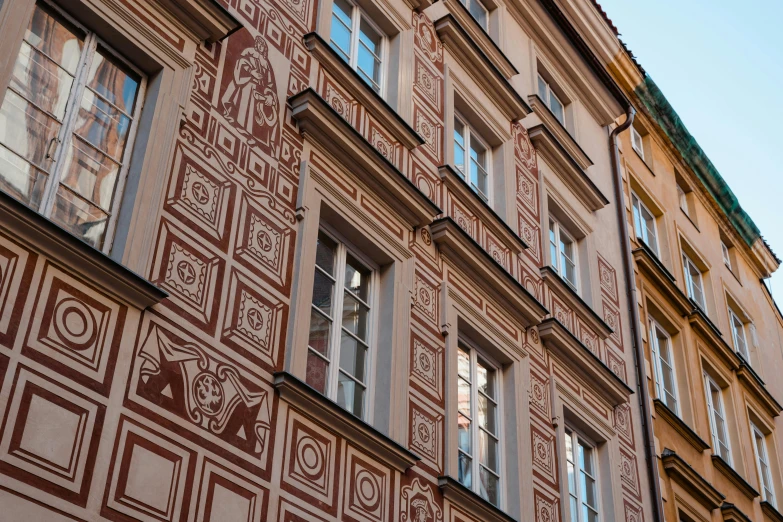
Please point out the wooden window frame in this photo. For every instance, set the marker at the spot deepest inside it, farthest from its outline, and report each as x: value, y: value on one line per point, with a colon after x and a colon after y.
x: 689, y: 282
x: 470, y: 135
x: 357, y: 16
x: 555, y: 263
x: 719, y: 409
x: 576, y: 436
x: 658, y: 361
x: 767, y: 488
x: 640, y: 228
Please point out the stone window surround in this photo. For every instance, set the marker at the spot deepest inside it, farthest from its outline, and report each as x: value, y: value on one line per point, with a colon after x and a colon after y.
x: 550, y: 74
x: 766, y: 425
x: 169, y: 71
x: 725, y: 383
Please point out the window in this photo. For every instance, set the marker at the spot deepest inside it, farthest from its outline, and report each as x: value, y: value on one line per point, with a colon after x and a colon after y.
x: 720, y: 439
x: 479, y: 12
x: 551, y: 100
x: 762, y: 461
x: 67, y: 125
x: 582, y: 487
x: 726, y: 256
x: 663, y: 365
x: 693, y: 282
x: 562, y: 252
x: 468, y: 143
x: 644, y: 223
x: 738, y: 335
x: 359, y: 42
x: 636, y: 141
x: 478, y: 423
x: 341, y: 324
x: 682, y: 197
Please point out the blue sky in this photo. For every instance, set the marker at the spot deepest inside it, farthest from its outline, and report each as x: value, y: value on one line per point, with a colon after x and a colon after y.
x: 720, y: 65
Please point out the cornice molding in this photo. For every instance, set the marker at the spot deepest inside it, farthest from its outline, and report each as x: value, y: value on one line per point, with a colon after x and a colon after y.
x: 574, y: 355
x: 680, y: 426
x: 732, y: 513
x: 661, y: 279
x: 770, y: 512
x: 707, y: 330
x: 365, y: 95
x: 335, y: 137
x: 77, y: 256
x: 467, y: 500
x: 559, y: 132
x: 489, y: 218
x: 459, y: 248
x: 683, y: 474
x: 483, y: 71
x: 755, y: 385
x: 734, y: 477
x: 326, y: 412
x: 207, y: 19
x: 557, y: 285
x: 566, y: 167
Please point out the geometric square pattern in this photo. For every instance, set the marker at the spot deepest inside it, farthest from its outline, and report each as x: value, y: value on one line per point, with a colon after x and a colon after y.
x: 367, y: 489
x: 226, y: 497
x: 427, y: 366
x: 16, y: 266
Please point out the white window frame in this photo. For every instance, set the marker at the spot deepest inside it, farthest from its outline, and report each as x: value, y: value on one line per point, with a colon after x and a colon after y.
x: 637, y: 142
x: 469, y: 4
x: 475, y: 354
x: 357, y: 15
x: 548, y: 99
x: 659, y: 362
x: 682, y: 197
x: 640, y: 226
x: 67, y: 128
x: 471, y: 135
x: 556, y: 262
x: 726, y: 255
x: 576, y: 437
x: 720, y: 438
x: 738, y: 336
x: 762, y: 465
x: 691, y: 283
x: 345, y: 247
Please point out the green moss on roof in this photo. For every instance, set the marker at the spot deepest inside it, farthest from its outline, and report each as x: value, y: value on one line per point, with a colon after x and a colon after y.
x: 664, y: 114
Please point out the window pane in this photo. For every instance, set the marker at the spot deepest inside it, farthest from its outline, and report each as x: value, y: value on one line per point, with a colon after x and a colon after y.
x: 350, y: 395
x: 90, y: 173
x: 459, y: 146
x: 488, y: 451
x: 479, y: 13
x: 465, y: 473
x: 41, y: 81
x: 569, y: 271
x: 463, y: 363
x: 369, y: 57
x: 487, y: 414
x: 102, y: 125
x: 27, y: 131
x: 54, y: 38
x: 357, y: 278
x: 317, y: 371
x: 320, y: 332
x: 542, y: 91
x: 352, y: 356
x: 486, y: 380
x: 113, y: 82
x: 571, y: 478
x: 324, y: 254
x: 574, y: 510
x: 585, y: 458
x: 463, y: 396
x: 489, y: 487
x: 355, y: 317
x: 80, y: 218
x: 588, y: 488
x: 557, y: 109
x: 322, y: 292
x: 463, y: 433
x: 341, y: 28
x: 20, y: 179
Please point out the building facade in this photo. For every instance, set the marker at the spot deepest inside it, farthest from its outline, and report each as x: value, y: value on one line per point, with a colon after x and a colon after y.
x: 710, y: 328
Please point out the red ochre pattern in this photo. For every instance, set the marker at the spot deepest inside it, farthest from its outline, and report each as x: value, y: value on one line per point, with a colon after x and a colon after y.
x: 185, y: 388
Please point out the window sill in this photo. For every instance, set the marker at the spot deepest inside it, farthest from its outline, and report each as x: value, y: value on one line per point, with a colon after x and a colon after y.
x: 566, y: 167
x: 661, y: 278
x: 469, y: 501
x: 732, y: 513
x: 734, y: 477
x: 573, y: 354
x: 770, y: 512
x: 367, y: 97
x: 69, y: 251
x: 335, y: 137
x: 689, y: 479
x: 710, y: 333
x: 578, y: 305
x: 753, y: 382
x: 557, y: 129
x: 324, y: 411
x: 688, y: 216
x: 459, y: 248
x: 461, y: 45
x: 680, y: 426
x: 644, y: 161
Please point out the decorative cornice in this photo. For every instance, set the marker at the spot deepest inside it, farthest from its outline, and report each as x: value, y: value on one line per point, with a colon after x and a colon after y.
x: 480, y: 37
x: 734, y: 477
x: 68, y: 251
x: 732, y: 513
x: 207, y: 19
x: 469, y: 501
x: 679, y: 425
x: 770, y: 512
x: 324, y: 411
x: 573, y: 354
x: 683, y: 474
x: 458, y: 247
x: 335, y: 137
x: 483, y: 71
x: 566, y: 167
x: 557, y: 285
x: 560, y: 133
x: 487, y: 215
x: 702, y: 325
x: 661, y: 279
x: 418, y: 5
x: 754, y: 384
x: 370, y: 100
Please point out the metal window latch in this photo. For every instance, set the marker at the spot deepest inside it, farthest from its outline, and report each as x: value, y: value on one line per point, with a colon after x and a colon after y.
x: 49, y: 154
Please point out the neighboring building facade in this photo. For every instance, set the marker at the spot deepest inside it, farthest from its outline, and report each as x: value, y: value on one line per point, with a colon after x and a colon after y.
x: 713, y: 335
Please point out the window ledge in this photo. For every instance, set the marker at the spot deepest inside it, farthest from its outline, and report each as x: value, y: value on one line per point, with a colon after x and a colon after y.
x: 69, y: 251
x: 480, y: 37
x: 689, y: 479
x: 661, y: 278
x: 207, y: 19
x: 367, y: 97
x: 770, y: 512
x: 457, y: 246
x: 336, y: 138
x: 680, y: 426
x: 487, y: 215
x: 577, y: 304
x: 576, y: 356
x: 466, y: 499
x: 557, y: 129
x: 644, y: 161
x: 462, y: 46
x: 734, y: 477
x: 691, y: 220
x: 732, y: 513
x: 710, y: 333
x: 324, y: 411
x: 566, y: 167
x: 753, y: 382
